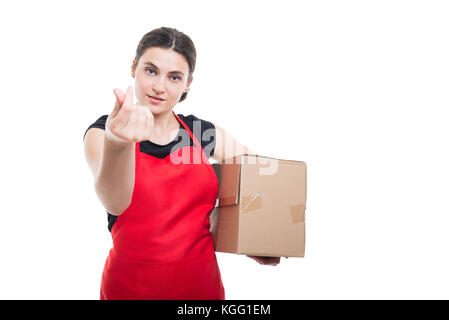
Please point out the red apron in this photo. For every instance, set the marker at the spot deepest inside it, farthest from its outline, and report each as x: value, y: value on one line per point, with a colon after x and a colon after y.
x: 162, y: 246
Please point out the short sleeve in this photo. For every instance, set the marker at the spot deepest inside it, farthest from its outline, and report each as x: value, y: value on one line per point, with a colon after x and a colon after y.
x: 99, y: 123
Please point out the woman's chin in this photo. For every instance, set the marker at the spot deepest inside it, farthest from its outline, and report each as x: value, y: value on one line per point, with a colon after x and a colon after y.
x: 156, y: 110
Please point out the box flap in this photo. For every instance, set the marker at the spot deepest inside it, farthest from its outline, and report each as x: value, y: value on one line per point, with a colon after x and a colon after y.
x: 228, y: 175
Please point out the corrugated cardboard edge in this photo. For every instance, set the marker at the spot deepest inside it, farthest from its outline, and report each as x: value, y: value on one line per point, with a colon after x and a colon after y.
x: 302, y: 209
x: 261, y: 156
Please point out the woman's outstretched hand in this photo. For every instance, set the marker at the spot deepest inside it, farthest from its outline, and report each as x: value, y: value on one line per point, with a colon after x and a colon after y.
x: 270, y: 261
x: 128, y: 122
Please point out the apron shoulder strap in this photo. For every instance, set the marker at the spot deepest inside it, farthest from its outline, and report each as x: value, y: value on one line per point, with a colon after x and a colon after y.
x: 195, y: 141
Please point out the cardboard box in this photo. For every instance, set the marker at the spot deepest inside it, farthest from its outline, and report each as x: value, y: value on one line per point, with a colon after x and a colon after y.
x: 260, y: 208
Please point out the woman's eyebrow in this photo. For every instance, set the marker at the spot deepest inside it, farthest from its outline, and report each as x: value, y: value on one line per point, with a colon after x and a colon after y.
x: 154, y: 66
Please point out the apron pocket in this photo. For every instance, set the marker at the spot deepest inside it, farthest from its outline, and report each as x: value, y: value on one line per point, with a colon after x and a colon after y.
x: 195, y: 278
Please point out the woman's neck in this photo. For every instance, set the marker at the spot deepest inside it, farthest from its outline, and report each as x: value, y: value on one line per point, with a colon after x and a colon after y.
x: 165, y: 125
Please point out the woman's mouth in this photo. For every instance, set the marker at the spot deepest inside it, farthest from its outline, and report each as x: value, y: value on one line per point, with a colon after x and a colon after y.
x: 155, y: 100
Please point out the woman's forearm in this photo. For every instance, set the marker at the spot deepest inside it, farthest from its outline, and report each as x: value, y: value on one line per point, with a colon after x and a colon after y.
x: 114, y: 183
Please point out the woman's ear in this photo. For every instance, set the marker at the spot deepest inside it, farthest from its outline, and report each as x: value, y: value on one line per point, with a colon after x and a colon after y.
x: 189, y: 82
x: 133, y: 69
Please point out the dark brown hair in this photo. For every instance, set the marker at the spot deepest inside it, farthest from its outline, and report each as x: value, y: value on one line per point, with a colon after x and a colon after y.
x: 169, y: 38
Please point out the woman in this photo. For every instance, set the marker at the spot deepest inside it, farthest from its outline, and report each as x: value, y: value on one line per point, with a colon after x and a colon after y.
x: 158, y: 207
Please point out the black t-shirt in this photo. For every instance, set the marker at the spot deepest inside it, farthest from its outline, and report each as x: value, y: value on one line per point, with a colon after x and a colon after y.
x: 203, y: 130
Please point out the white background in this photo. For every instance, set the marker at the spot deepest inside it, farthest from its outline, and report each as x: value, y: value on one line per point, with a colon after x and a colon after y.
x: 356, y: 89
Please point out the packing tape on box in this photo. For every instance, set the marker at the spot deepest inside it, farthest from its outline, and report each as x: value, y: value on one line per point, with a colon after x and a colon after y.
x: 297, y: 211
x: 251, y: 203
x: 254, y: 202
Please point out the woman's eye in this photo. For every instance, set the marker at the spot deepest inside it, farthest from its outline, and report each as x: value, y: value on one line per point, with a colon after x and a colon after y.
x: 150, y: 71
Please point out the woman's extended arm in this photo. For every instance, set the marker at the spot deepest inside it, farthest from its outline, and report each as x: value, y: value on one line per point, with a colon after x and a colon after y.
x: 114, y: 182
x: 111, y: 154
x: 112, y: 166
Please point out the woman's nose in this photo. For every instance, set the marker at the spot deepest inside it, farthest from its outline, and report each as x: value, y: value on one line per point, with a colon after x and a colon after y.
x: 158, y: 84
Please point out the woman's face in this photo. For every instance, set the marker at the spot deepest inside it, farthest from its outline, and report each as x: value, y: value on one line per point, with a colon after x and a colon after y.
x: 160, y: 73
